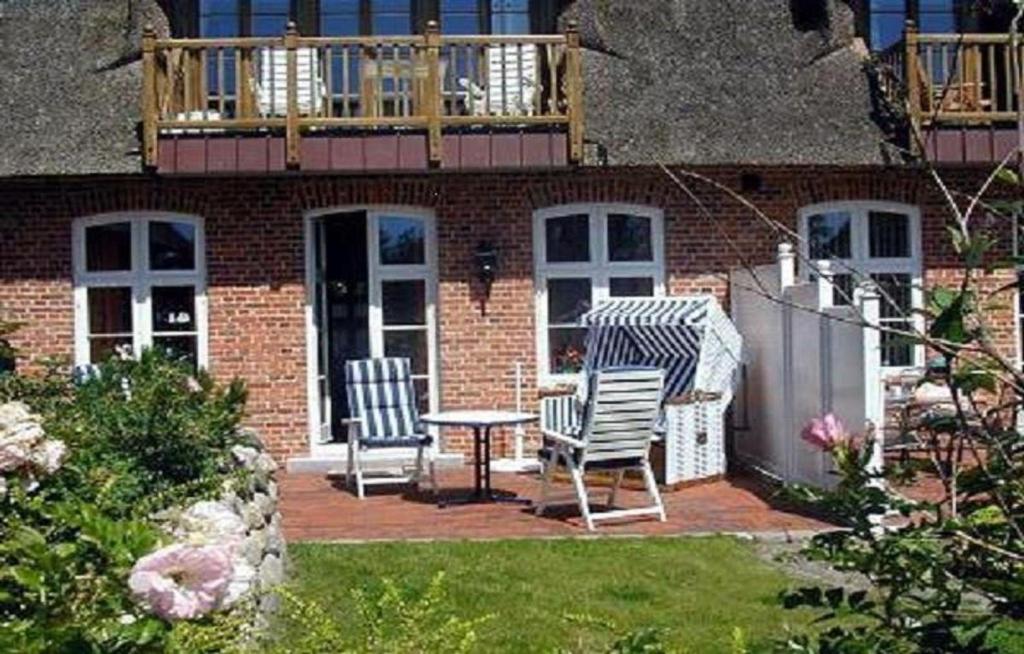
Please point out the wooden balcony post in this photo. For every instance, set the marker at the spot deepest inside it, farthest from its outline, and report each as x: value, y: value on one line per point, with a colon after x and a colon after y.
x: 432, y: 92
x: 292, y: 147
x: 149, y: 99
x: 914, y: 81
x: 574, y: 91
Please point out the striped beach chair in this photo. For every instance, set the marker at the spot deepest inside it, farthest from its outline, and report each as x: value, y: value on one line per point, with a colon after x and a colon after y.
x: 618, y: 422
x: 382, y: 402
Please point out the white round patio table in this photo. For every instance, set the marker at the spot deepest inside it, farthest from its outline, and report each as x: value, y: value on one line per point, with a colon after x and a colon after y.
x: 481, y: 421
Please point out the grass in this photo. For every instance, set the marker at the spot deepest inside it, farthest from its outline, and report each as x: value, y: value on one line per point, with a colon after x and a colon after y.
x: 699, y: 590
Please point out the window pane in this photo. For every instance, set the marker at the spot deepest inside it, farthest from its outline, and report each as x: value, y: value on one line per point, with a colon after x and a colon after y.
x: 410, y: 344
x: 174, y: 309
x: 460, y: 17
x: 172, y: 246
x: 888, y: 18
x: 269, y: 25
x: 101, y: 349
x: 896, y: 292
x: 629, y: 238
x: 108, y: 247
x: 270, y: 6
x: 404, y: 302
x: 391, y: 16
x: 829, y: 235
x: 842, y: 290
x: 567, y: 349
x: 110, y: 311
x: 889, y: 234
x: 567, y: 238
x: 510, y: 16
x: 631, y: 286
x: 896, y: 349
x: 422, y: 387
x: 936, y: 16
x: 568, y: 299
x: 177, y: 347
x: 402, y: 240
x: 339, y: 18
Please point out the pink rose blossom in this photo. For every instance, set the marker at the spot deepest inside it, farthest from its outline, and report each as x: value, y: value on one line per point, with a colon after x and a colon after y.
x: 825, y: 433
x: 49, y: 455
x: 182, y: 582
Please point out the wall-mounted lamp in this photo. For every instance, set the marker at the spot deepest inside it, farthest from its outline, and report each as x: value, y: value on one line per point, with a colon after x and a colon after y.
x: 486, y: 257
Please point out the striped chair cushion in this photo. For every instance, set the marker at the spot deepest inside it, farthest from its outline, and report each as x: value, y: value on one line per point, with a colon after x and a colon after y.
x: 382, y: 396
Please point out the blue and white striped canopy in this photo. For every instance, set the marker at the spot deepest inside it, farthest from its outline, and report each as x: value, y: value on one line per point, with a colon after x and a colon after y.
x: 662, y: 332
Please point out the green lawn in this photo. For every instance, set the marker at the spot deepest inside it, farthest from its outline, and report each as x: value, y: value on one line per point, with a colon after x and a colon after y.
x: 698, y: 589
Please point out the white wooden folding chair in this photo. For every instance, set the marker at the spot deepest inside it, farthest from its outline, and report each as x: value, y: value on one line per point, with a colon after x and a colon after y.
x: 382, y: 400
x: 615, y: 435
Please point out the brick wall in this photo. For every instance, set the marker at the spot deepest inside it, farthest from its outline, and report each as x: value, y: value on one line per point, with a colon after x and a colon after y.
x: 255, y: 253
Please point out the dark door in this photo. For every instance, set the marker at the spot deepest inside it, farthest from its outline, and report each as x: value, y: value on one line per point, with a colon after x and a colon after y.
x: 348, y: 305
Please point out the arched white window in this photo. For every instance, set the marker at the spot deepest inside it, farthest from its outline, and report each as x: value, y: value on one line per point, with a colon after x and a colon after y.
x: 584, y: 253
x: 880, y: 241
x: 140, y: 281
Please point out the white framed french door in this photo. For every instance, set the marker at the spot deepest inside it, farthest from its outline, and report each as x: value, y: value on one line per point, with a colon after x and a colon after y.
x: 400, y: 308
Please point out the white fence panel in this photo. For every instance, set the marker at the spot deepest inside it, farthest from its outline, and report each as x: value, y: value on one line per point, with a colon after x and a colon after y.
x: 804, y: 358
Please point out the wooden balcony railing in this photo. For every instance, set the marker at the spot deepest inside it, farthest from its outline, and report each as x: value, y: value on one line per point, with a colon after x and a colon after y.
x: 299, y: 85
x: 952, y: 79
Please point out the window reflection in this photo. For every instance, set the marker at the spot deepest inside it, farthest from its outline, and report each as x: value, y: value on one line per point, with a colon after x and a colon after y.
x: 567, y: 238
x: 108, y: 247
x: 172, y: 246
x: 629, y: 238
x: 402, y: 240
x: 829, y: 235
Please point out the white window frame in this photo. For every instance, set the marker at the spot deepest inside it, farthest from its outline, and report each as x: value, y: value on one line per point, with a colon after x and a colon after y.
x: 599, y: 269
x: 861, y: 261
x: 140, y: 279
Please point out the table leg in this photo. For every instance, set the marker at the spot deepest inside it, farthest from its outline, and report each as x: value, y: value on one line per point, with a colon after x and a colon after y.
x: 476, y: 462
x: 487, y: 461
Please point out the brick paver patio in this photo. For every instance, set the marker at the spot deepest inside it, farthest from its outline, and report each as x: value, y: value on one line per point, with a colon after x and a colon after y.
x: 316, y: 507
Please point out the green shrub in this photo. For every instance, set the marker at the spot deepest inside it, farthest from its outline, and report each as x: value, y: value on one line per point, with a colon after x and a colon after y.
x: 146, y: 433
x: 141, y: 436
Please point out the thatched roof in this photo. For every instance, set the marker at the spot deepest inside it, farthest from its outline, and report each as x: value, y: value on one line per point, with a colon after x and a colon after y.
x: 725, y: 81
x: 680, y: 81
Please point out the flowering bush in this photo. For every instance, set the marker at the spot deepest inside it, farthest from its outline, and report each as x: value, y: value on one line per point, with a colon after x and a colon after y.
x: 24, y: 452
x: 182, y: 582
x: 127, y: 510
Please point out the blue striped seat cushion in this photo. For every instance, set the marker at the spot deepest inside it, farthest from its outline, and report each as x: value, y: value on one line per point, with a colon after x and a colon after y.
x: 382, y: 396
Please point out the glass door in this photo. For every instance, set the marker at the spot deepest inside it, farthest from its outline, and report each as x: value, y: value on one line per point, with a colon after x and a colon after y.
x: 403, y: 296
x: 372, y: 279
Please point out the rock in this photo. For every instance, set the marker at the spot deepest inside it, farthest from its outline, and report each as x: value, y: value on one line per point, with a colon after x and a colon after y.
x: 243, y: 576
x: 266, y: 505
x: 271, y: 572
x: 255, y: 546
x: 275, y: 536
x: 252, y: 515
x: 273, y: 491
x: 212, y: 521
x: 231, y: 499
x: 245, y: 456
x: 265, y: 463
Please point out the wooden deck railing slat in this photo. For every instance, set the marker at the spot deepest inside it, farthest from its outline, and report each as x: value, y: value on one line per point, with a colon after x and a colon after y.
x: 427, y: 81
x: 951, y: 79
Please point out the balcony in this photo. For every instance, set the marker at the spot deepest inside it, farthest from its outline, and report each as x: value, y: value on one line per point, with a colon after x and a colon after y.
x: 361, y: 103
x: 957, y: 90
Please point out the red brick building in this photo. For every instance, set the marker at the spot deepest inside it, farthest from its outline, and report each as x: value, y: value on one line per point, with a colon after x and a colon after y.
x: 272, y: 244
